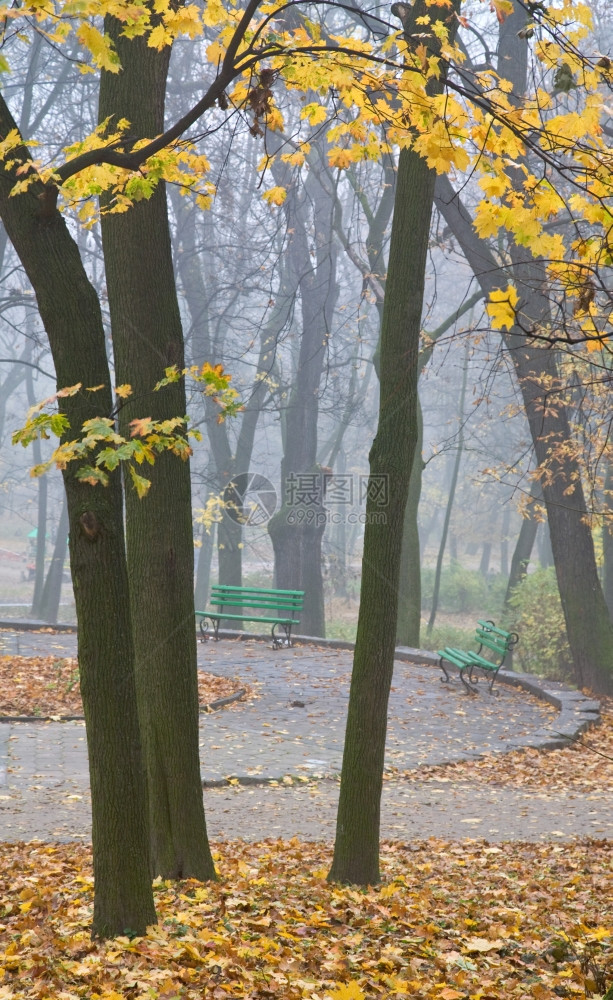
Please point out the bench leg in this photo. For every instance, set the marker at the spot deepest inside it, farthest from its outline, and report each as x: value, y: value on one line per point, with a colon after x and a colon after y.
x: 279, y: 641
x: 446, y: 679
x: 470, y: 683
x: 205, y: 623
x: 495, y: 675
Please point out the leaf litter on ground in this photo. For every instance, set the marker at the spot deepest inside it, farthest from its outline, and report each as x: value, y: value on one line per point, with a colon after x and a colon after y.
x: 586, y: 764
x: 48, y: 686
x: 450, y: 921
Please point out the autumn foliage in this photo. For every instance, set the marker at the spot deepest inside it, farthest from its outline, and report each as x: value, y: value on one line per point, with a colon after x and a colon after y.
x: 48, y: 686
x: 450, y: 921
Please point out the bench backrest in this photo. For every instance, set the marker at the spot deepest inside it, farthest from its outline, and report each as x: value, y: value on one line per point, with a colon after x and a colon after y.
x: 281, y: 602
x: 498, y: 640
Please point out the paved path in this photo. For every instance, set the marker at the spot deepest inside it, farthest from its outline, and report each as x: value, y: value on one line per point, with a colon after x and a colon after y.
x: 294, y: 730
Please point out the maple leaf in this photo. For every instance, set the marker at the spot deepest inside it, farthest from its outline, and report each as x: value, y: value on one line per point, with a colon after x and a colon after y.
x: 501, y: 307
x: 275, y: 195
x: 141, y: 485
x: 100, y: 47
x: 141, y: 426
x: 340, y: 158
x: 123, y: 391
x: 315, y: 114
x: 347, y: 991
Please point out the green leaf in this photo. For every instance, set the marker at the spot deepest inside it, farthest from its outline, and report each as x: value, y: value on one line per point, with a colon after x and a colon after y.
x: 88, y: 474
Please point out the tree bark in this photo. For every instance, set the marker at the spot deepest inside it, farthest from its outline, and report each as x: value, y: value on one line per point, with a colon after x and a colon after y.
x: 203, y: 572
x: 356, y: 847
x: 607, y: 538
x: 41, y: 519
x: 522, y: 551
x: 409, y: 582
x: 147, y: 337
x: 71, y: 315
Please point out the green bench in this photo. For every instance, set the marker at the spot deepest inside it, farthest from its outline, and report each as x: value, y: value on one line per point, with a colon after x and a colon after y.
x: 488, y: 637
x: 278, y: 608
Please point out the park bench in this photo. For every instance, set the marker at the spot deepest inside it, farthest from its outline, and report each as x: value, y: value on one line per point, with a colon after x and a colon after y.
x: 488, y: 637
x: 274, y: 607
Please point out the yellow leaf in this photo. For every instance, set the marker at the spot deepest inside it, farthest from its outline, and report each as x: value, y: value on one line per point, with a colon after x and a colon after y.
x: 501, y: 307
x: 422, y: 54
x: 100, y: 46
x: 503, y: 9
x: 348, y: 991
x: 159, y: 38
x: 192, y: 952
x: 275, y: 196
x: 450, y: 994
x: 599, y: 934
x: 123, y: 391
x: 340, y: 158
x: 314, y: 113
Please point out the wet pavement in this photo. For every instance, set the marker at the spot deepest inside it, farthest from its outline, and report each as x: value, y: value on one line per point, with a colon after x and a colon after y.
x: 292, y: 734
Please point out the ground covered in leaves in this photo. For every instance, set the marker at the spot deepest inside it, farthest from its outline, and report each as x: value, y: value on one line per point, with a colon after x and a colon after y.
x: 449, y: 921
x: 586, y: 764
x: 46, y: 686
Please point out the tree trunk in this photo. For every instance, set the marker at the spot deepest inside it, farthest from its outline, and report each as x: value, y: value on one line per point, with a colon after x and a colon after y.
x: 70, y: 312
x: 356, y: 846
x: 356, y: 849
x: 544, y: 546
x: 504, y: 541
x: 607, y: 538
x: 521, y: 555
x: 450, y: 500
x: 409, y: 584
x: 228, y: 465
x: 147, y: 337
x: 52, y: 590
x: 486, y: 555
x: 297, y: 529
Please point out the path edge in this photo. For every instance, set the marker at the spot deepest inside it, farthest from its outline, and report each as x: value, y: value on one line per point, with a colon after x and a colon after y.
x: 576, y: 711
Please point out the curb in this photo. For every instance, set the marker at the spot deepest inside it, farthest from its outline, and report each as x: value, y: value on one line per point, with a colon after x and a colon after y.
x: 28, y: 625
x: 213, y: 706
